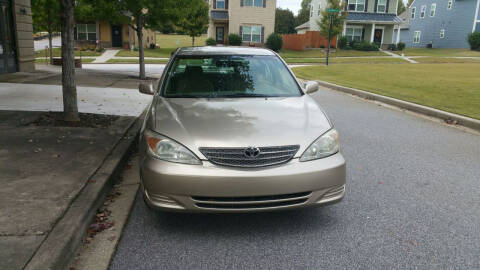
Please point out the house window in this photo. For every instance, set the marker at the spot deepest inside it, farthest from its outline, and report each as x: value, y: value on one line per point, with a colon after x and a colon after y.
x: 319, y: 9
x: 356, y: 5
x: 221, y: 4
x: 382, y: 6
x: 442, y: 33
x: 414, y: 10
x: 252, y: 34
x: 416, y: 36
x: 86, y: 32
x: 251, y: 3
x: 353, y: 33
x: 477, y: 28
x: 422, y: 11
x: 433, y: 8
x: 311, y: 10
x: 450, y: 4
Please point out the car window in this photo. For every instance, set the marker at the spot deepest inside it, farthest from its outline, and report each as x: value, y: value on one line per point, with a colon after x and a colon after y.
x: 229, y: 76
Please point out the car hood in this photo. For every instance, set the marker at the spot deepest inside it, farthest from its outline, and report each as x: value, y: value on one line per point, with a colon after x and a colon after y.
x: 240, y: 122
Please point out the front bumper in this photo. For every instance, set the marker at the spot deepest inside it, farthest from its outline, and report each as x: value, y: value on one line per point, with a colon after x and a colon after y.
x: 213, y: 188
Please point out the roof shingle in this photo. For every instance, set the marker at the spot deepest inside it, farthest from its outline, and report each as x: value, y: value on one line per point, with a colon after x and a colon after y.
x: 373, y: 17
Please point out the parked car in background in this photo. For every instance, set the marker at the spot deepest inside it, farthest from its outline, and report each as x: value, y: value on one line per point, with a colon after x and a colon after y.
x: 231, y: 129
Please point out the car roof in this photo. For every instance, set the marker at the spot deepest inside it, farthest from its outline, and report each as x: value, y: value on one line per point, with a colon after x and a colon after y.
x: 221, y: 50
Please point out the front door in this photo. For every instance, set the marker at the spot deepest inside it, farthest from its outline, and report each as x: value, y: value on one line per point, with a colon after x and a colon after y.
x: 8, y: 59
x: 220, y: 34
x: 117, y: 36
x: 378, y: 36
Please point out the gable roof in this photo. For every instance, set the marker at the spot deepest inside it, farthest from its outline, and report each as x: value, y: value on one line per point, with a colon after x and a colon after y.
x: 373, y: 17
x: 303, y: 26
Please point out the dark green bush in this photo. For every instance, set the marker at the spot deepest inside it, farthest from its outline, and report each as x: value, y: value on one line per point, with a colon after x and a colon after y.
x: 211, y: 42
x: 342, y: 42
x: 401, y: 46
x: 347, y: 48
x: 392, y: 47
x: 274, y: 42
x: 474, y: 41
x: 234, y: 40
x: 364, y: 46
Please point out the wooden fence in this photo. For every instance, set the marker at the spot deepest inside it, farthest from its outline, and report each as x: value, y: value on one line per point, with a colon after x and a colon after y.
x: 311, y: 39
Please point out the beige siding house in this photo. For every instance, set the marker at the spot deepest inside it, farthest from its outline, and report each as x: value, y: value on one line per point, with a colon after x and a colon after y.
x: 107, y: 35
x: 253, y: 20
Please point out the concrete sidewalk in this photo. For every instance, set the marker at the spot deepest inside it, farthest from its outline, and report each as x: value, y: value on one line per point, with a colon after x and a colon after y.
x: 107, y: 55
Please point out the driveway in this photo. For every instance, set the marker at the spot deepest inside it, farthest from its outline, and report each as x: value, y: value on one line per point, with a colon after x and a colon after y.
x: 412, y: 202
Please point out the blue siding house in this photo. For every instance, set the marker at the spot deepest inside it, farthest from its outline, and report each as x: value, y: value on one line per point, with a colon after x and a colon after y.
x: 440, y: 23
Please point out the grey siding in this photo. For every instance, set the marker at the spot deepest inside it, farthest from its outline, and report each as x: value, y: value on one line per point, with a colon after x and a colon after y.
x: 457, y: 22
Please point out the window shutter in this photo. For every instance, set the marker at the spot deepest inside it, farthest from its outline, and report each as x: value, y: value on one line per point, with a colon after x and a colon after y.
x: 263, y: 34
x: 264, y: 3
x: 226, y: 4
x: 376, y: 4
x: 75, y: 33
x: 241, y: 3
x: 366, y: 5
x: 346, y: 5
x: 214, y: 4
x: 241, y: 32
x: 363, y: 33
x: 388, y: 3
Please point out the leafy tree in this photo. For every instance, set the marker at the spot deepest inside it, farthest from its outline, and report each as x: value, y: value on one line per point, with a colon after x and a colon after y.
x: 338, y: 19
x: 69, y: 87
x: 194, y: 21
x: 304, y: 13
x: 284, y: 21
x: 46, y: 18
x: 401, y: 7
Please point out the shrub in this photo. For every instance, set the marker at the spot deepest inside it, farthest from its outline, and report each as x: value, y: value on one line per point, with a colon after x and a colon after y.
x: 234, y: 40
x: 401, y: 46
x: 135, y: 49
x: 274, y: 42
x: 474, y: 41
x: 347, y: 48
x: 365, y: 46
x: 211, y: 42
x: 392, y: 47
x: 342, y: 42
x: 100, y: 49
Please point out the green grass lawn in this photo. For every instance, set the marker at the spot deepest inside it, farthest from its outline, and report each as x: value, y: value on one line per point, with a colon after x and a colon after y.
x: 135, y: 61
x: 439, y: 52
x: 57, y: 52
x: 175, y: 41
x: 158, y: 52
x: 339, y: 60
x: 43, y: 61
x: 450, y: 87
x: 446, y: 60
x: 321, y: 53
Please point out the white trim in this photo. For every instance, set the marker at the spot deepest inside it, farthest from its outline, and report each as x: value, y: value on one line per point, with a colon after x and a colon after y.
x: 424, y: 12
x: 396, y: 8
x: 386, y: 7
x: 372, y: 34
x: 414, y: 13
x: 451, y: 4
x: 442, y: 33
x: 398, y: 34
x: 419, y: 37
x: 476, y: 16
x: 383, y: 32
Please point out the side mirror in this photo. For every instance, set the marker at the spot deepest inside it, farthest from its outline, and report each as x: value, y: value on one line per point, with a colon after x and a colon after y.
x: 311, y: 87
x: 146, y: 88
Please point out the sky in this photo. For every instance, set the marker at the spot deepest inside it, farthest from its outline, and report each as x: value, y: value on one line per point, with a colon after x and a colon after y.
x: 293, y: 5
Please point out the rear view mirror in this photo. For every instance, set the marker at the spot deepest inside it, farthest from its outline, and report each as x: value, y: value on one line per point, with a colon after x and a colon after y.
x: 311, y: 87
x: 146, y: 88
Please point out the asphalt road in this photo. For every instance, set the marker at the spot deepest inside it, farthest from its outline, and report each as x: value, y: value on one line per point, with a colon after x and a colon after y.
x: 412, y: 202
x: 43, y: 43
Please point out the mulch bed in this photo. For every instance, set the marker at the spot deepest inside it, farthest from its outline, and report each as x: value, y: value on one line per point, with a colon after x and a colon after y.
x: 89, y: 120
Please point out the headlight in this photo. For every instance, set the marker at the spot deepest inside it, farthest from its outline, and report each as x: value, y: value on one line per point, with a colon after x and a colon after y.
x: 166, y: 149
x: 326, y: 145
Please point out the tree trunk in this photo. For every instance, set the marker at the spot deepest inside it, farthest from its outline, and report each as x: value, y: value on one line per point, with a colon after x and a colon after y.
x: 140, y: 47
x: 193, y: 41
x: 69, y: 88
x: 50, y: 49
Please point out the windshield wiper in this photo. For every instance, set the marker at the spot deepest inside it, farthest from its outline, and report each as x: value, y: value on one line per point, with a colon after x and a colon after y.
x: 246, y: 95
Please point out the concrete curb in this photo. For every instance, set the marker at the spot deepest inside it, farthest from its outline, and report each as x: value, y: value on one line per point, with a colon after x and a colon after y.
x: 63, y: 240
x: 446, y: 116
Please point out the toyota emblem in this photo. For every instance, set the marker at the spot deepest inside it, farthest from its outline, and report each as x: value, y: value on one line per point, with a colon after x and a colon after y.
x: 251, y: 152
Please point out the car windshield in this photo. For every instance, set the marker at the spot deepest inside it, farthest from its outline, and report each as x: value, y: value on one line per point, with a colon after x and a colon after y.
x: 229, y: 76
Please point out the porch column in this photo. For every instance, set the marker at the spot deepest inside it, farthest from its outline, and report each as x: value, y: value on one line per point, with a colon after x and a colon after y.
x: 344, y: 28
x: 398, y: 34
x: 372, y: 34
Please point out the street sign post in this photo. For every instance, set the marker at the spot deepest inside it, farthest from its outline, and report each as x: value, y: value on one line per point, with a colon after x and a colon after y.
x: 331, y: 11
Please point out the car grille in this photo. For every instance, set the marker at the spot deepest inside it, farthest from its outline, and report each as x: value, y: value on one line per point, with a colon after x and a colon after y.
x: 236, y: 156
x: 251, y: 202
